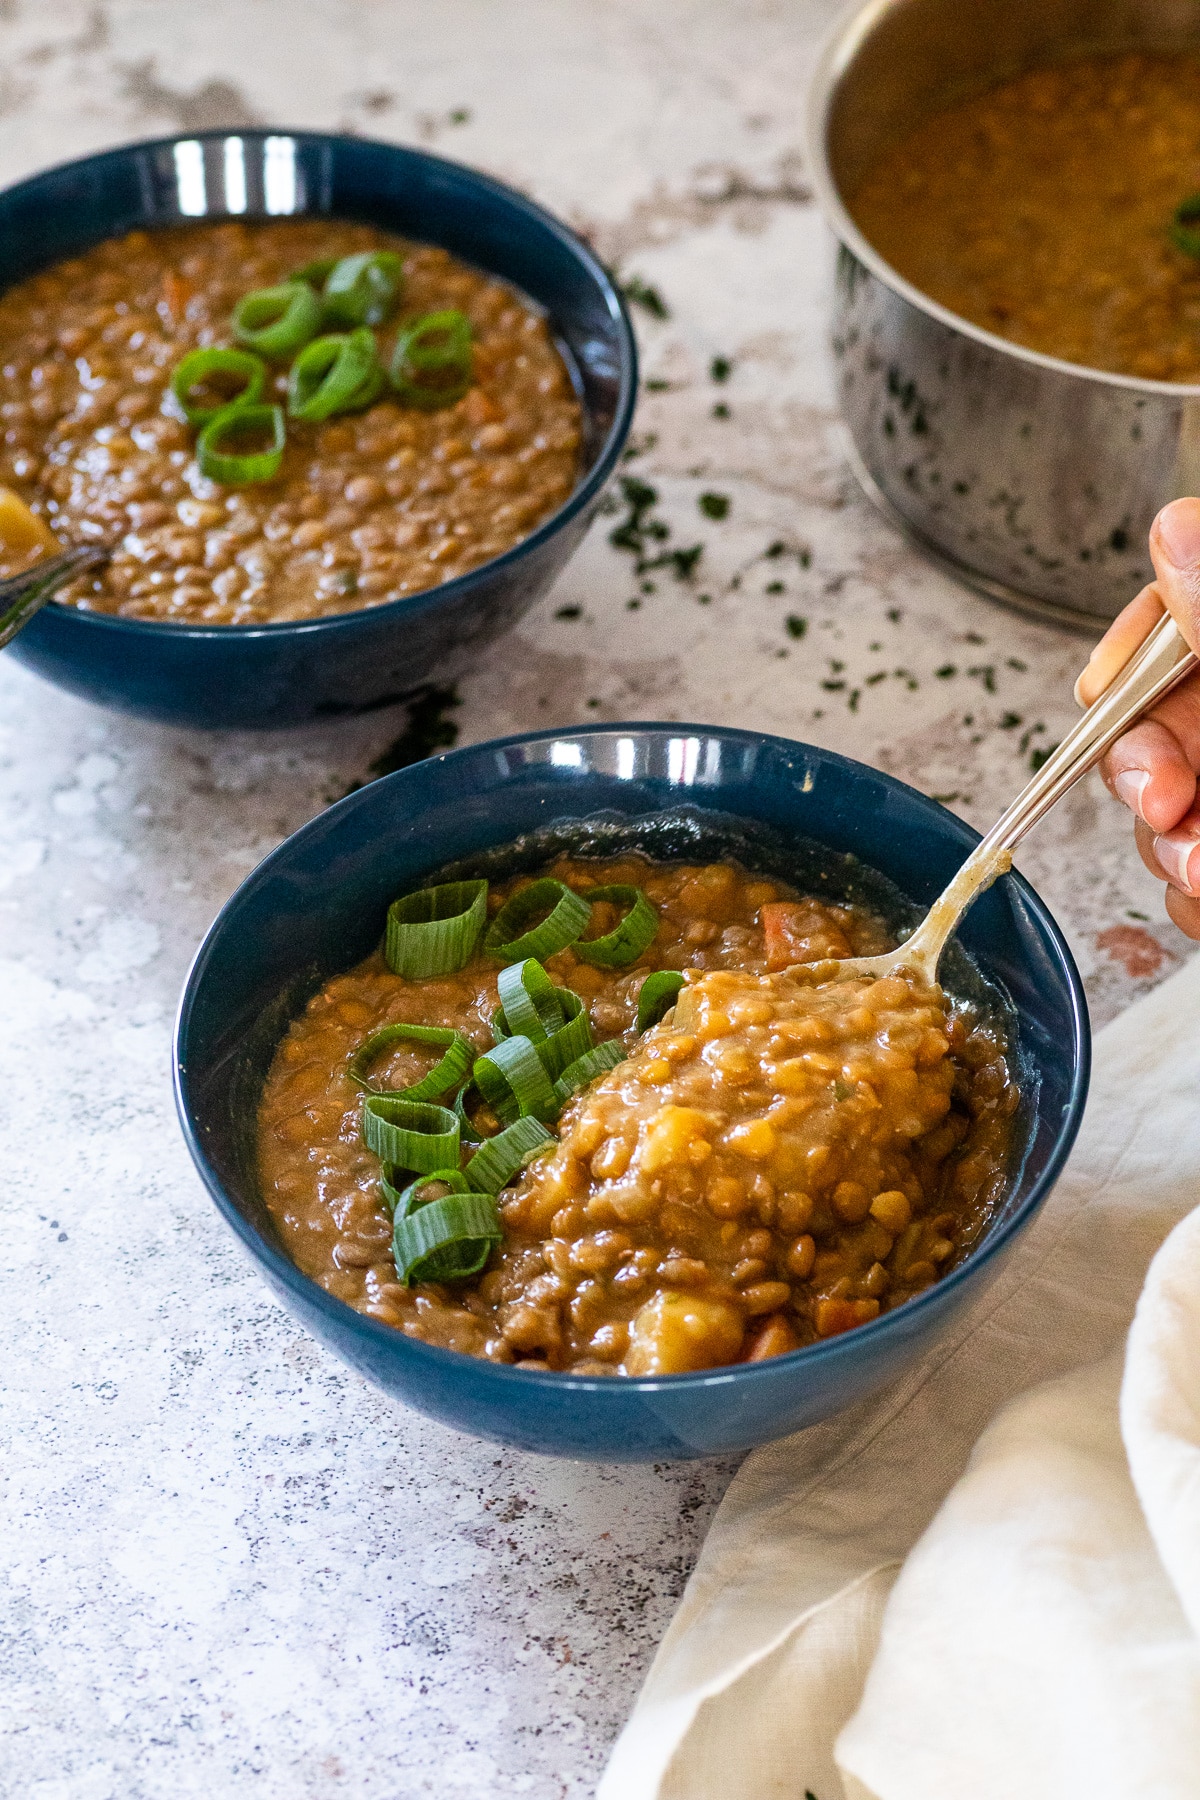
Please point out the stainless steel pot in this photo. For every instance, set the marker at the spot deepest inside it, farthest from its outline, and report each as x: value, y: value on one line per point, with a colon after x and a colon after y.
x: 1032, y: 479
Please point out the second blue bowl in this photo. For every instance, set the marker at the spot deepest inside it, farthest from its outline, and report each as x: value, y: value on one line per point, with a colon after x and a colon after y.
x: 250, y: 676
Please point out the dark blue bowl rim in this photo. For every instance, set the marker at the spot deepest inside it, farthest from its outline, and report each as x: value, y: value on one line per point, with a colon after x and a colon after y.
x: 829, y: 1350
x: 602, y: 465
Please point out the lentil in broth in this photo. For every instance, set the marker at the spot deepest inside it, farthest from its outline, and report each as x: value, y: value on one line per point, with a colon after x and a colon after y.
x: 779, y: 1161
x: 1041, y: 209
x: 366, y: 507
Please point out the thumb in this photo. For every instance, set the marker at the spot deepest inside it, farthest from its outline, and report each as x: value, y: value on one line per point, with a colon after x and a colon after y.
x: 1175, y: 553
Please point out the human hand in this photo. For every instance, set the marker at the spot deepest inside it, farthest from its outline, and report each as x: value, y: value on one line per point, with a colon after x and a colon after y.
x: 1153, y: 769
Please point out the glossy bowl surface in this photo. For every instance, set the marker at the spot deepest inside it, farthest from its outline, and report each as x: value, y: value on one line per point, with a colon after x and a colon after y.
x: 251, y: 676
x: 316, y: 907
x: 1033, y: 479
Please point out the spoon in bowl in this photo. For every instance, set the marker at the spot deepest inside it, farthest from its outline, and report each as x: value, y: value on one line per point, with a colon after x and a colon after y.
x: 24, y: 534
x: 1162, y: 661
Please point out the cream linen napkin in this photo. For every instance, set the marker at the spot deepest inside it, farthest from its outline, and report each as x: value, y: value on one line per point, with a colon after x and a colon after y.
x: 1038, y: 1615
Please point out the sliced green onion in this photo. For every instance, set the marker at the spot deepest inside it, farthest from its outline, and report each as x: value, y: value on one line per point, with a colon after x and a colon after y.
x: 629, y: 937
x: 410, y: 1134
x: 334, y: 374
x: 434, y: 931
x: 468, y: 1131
x: 586, y: 1068
x: 431, y: 365
x: 448, y: 1072
x: 316, y: 273
x: 572, y: 1038
x: 407, y: 1200
x: 657, y: 996
x: 445, y: 1239
x: 1184, y: 229
x: 530, y: 1001
x: 277, y: 321
x: 239, y: 468
x: 503, y: 1156
x: 513, y: 1080
x: 512, y: 935
x: 389, y: 1189
x: 199, y: 366
x: 362, y: 289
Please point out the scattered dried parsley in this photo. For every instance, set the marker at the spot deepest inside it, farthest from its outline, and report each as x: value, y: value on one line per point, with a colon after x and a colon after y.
x: 640, y: 293
x: 569, y: 612
x: 796, y: 626
x: 721, y: 411
x: 714, y: 506
x: 946, y: 671
x: 720, y: 368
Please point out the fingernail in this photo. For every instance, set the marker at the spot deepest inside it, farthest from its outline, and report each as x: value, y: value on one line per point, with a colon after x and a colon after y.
x: 1129, y: 786
x: 1174, y: 851
x: 1079, y: 701
x: 1179, y: 532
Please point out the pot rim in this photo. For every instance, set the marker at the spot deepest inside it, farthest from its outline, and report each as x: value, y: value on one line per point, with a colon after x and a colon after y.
x: 845, y: 39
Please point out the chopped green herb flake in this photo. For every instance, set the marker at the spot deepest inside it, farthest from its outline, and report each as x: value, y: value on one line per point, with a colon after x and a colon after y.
x: 569, y: 612
x: 721, y: 411
x: 774, y: 587
x: 946, y: 671
x: 656, y: 385
x: 876, y: 678
x: 1014, y: 662
x: 1131, y: 913
x: 1038, y: 757
x: 714, y: 506
x: 640, y: 293
x: 1009, y: 721
x: 796, y: 626
x: 720, y: 368
x: 894, y: 614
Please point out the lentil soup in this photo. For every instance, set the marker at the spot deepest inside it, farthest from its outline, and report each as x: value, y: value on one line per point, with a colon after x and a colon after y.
x: 779, y: 1160
x: 365, y: 507
x: 1042, y: 210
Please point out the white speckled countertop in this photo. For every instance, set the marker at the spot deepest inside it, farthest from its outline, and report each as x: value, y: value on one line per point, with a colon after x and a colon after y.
x: 232, y: 1567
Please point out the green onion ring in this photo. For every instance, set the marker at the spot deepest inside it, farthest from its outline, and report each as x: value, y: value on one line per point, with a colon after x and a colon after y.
x: 362, y: 289
x: 512, y: 937
x: 410, y: 1134
x: 338, y: 373
x: 585, y: 1069
x: 450, y: 1071
x: 513, y: 1080
x: 431, y: 364
x: 1184, y: 229
x: 406, y: 1199
x: 505, y: 1155
x: 629, y: 936
x: 572, y: 1038
x: 199, y: 365
x: 445, y: 1239
x: 434, y: 931
x: 234, y: 468
x: 657, y: 996
x: 277, y: 321
x: 530, y: 1001
x: 468, y: 1131
x: 315, y: 273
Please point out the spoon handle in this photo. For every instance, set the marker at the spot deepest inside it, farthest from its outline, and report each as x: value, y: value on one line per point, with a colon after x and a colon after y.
x: 1152, y: 671
x: 1161, y: 663
x: 21, y: 596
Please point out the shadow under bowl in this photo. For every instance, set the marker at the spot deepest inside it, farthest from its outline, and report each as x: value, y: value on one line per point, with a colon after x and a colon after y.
x: 316, y: 907
x: 295, y: 673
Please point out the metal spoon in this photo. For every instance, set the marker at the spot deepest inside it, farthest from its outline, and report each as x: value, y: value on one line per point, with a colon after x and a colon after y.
x: 21, y: 596
x: 1152, y: 671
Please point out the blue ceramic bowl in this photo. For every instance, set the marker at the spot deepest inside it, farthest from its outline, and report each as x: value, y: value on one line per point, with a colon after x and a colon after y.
x: 316, y: 906
x: 248, y: 676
